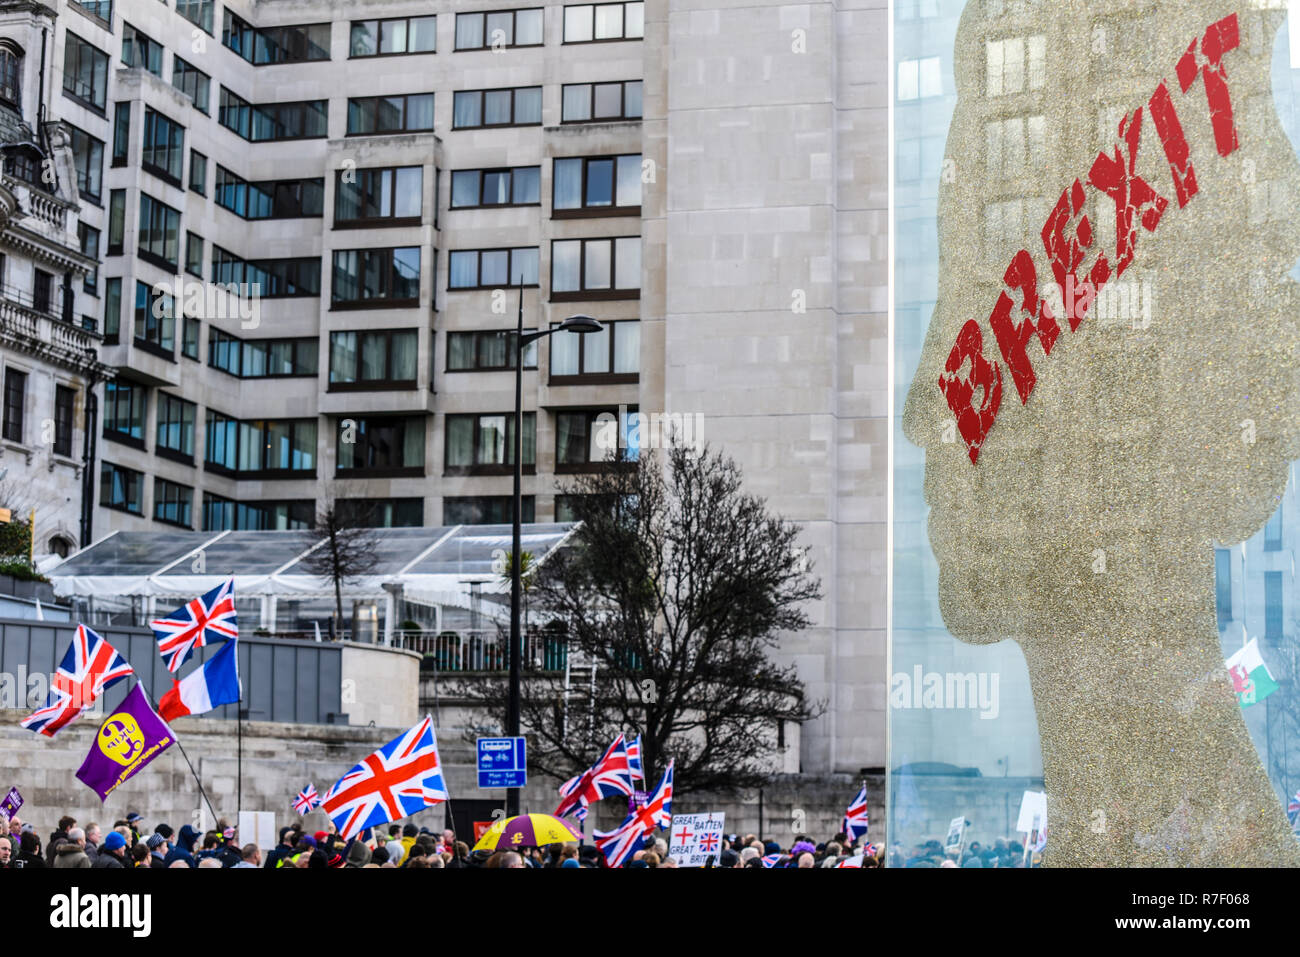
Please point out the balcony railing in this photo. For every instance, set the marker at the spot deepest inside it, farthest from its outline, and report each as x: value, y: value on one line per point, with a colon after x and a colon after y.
x: 469, y: 651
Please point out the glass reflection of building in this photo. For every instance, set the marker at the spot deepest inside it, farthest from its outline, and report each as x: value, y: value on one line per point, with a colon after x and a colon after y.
x: 946, y: 758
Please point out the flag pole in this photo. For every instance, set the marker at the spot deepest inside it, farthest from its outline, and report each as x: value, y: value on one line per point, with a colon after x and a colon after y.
x: 202, y: 793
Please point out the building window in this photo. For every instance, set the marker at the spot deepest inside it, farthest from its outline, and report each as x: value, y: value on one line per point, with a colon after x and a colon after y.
x: 61, y: 546
x: 15, y: 399
x: 393, y: 37
x: 596, y: 268
x: 476, y: 109
x: 272, y: 449
x: 367, y: 277
x: 589, y: 438
x: 380, y: 445
x: 920, y: 79
x: 124, y: 411
x: 268, y: 122
x: 492, y: 268
x: 1015, y: 64
x: 88, y: 158
x: 382, y: 512
x: 1273, y: 608
x: 589, y: 22
x: 101, y: 10
x: 587, y: 102
x: 43, y: 292
x: 139, y: 50
x: 198, y: 12
x: 516, y: 186
x: 85, y: 72
x: 487, y: 351
x: 218, y: 513
x: 278, y: 358
x: 1011, y: 146
x: 194, y: 254
x: 408, y: 113
x: 121, y: 133
x: 11, y: 72
x: 261, y: 46
x: 88, y: 239
x: 1273, y: 532
x: 198, y: 172
x: 176, y: 426
x: 498, y: 29
x: 268, y: 278
x: 613, y: 354
x: 163, y: 151
x: 486, y: 510
x: 597, y: 186
x: 193, y: 82
x: 379, y: 197
x: 484, y: 444
x: 119, y: 488
x: 112, y: 309
x: 191, y: 329
x: 64, y: 403
x: 159, y: 228
x: 276, y: 199
x: 155, y: 320
x: 172, y: 502
x: 384, y: 359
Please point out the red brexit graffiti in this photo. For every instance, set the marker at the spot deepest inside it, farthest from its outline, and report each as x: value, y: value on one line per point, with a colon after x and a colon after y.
x: 1020, y: 314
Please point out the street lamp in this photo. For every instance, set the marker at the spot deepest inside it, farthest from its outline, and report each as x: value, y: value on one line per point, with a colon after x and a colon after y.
x: 580, y: 325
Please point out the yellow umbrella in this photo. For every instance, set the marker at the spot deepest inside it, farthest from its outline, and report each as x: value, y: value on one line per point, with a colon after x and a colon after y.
x: 526, y: 830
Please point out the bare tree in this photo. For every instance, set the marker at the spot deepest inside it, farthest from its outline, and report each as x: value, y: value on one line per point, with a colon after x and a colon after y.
x: 347, y: 548
x: 675, y: 586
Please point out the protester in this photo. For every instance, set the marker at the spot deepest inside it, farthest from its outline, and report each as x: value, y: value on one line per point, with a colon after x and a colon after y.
x: 29, y: 850
x: 183, y: 850
x: 71, y: 851
x: 7, y: 857
x: 112, y: 853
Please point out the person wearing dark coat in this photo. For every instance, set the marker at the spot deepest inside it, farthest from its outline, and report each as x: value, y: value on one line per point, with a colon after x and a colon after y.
x: 111, y: 852
x: 288, y: 837
x: 30, y: 850
x: 57, y: 837
x: 184, y: 849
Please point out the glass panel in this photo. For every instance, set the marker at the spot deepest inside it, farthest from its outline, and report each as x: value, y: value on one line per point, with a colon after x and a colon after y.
x: 528, y: 27
x: 496, y: 188
x: 596, y: 265
x: 528, y: 105
x: 460, y: 441
x: 608, y: 100
x: 523, y: 266
x: 577, y: 102
x: 634, y: 21
x: 492, y: 440
x: 406, y: 269
x: 500, y: 29
x: 596, y: 351
x: 629, y: 180
x: 460, y: 350
x: 467, y: 109
x: 343, y: 356
x: 600, y: 182
x: 628, y: 262
x: 609, y: 21
x: 568, y: 184
x: 627, y: 347
x: 465, y: 188
x: 469, y: 31
x: 423, y: 35
x: 419, y: 112
x: 493, y: 348
x: 463, y: 270
x: 632, y: 99
x: 528, y: 184
x: 405, y: 347
x: 564, y: 354
x: 570, y: 438
x: 495, y: 268
x: 408, y: 194
x: 374, y: 356
x: 577, y: 23
x: 392, y: 36
x: 496, y: 107
x: 565, y: 265
x: 364, y: 35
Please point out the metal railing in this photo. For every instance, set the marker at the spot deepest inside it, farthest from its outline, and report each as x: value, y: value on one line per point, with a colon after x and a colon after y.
x: 469, y: 651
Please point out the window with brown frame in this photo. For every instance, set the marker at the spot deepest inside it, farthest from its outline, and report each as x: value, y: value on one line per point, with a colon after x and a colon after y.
x: 588, y: 440
x: 609, y: 356
x: 596, y: 22
x: 484, y: 444
x: 584, y: 186
x: 591, y: 269
x: 495, y: 29
x: 491, y: 350
x: 492, y: 268
x: 597, y: 102
x: 479, y: 109
x: 509, y: 186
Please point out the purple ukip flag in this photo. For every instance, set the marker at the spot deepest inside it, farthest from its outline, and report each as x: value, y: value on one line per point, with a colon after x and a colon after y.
x: 10, y: 805
x: 130, y: 737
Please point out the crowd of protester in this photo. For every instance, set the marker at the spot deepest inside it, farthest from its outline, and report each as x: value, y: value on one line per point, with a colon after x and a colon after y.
x: 1003, y: 852
x: 128, y: 845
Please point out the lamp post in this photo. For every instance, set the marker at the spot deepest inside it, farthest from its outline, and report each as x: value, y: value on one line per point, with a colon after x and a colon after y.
x: 576, y: 324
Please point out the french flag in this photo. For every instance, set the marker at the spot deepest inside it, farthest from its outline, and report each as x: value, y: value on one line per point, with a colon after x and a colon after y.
x: 217, y: 682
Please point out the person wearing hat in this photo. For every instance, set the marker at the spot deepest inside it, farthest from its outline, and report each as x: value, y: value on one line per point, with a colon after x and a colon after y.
x: 158, y: 849
x: 228, y: 851
x: 112, y: 852
x: 184, y: 848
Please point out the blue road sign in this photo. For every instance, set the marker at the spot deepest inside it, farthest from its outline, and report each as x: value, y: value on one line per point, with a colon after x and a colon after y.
x: 502, y: 763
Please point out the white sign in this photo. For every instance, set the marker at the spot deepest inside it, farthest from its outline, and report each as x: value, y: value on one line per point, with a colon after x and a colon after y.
x: 1033, y: 804
x: 956, y: 836
x: 258, y: 827
x: 694, y: 838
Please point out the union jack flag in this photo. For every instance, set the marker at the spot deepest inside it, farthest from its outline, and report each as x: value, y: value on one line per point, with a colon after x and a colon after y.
x: 856, y: 822
x: 307, y: 800
x: 1293, y: 806
x: 89, y: 666
x: 620, y: 844
x: 206, y: 619
x: 402, y: 777
x: 608, y: 776
x: 770, y: 860
x: 634, y: 760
